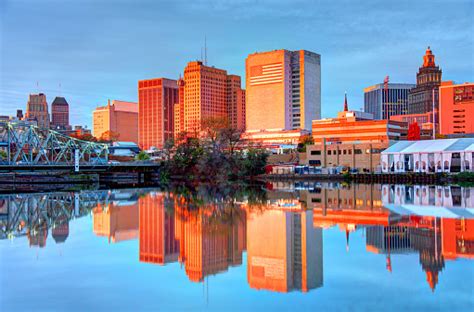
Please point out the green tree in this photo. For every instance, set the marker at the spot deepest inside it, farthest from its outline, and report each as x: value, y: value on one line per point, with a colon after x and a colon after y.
x: 303, y: 141
x: 142, y: 156
x: 3, y: 155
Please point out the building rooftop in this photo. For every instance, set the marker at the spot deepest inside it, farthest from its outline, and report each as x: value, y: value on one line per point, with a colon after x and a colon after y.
x: 430, y: 146
x: 59, y: 100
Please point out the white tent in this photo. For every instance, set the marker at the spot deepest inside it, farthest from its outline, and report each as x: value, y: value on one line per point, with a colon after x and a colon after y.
x: 429, y: 156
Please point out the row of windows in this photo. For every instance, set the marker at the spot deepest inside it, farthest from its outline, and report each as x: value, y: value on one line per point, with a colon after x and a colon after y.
x: 348, y: 151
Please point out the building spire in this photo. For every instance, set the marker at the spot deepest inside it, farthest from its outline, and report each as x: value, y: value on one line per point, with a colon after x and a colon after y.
x: 429, y: 58
x: 345, y: 102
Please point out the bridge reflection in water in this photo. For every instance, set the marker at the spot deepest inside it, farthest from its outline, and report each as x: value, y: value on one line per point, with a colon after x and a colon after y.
x: 281, y: 228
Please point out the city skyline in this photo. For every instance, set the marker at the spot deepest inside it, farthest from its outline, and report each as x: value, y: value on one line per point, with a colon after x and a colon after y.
x: 83, y: 60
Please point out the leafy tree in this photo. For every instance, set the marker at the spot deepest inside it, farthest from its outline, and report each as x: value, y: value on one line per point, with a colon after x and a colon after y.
x: 303, y: 141
x: 109, y: 136
x: 142, y: 156
x: 84, y: 137
x: 3, y: 154
x: 230, y: 138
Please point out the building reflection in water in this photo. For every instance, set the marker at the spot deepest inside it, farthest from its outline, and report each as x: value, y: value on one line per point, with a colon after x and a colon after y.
x: 205, y: 239
x: 402, y: 219
x: 117, y: 219
x: 284, y: 250
x: 282, y: 232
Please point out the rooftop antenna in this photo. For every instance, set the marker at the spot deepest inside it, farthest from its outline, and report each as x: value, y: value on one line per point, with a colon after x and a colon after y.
x: 205, y: 50
x: 60, y: 94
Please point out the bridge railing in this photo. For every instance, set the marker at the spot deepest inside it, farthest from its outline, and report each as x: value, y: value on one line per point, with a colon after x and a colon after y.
x: 24, y: 144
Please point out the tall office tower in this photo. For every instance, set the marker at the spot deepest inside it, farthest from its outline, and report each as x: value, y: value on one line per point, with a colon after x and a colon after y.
x: 179, y: 110
x: 428, y: 80
x: 385, y: 101
x: 60, y: 113
x: 116, y: 121
x: 156, y: 100
x: 235, y: 102
x: 208, y: 94
x: 283, y: 90
x: 37, y: 108
x: 204, y: 95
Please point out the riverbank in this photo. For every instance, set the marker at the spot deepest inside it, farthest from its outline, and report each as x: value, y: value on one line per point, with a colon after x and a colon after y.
x: 392, y: 178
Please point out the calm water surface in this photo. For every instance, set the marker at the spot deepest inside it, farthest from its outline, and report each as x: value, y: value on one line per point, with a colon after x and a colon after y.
x: 281, y: 246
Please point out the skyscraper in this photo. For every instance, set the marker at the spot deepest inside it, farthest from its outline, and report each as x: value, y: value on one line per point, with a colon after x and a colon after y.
x: 235, y: 102
x: 384, y: 102
x: 204, y: 95
x: 37, y: 108
x: 60, y: 113
x: 208, y: 92
x: 283, y: 90
x: 179, y: 109
x: 156, y: 100
x: 428, y: 80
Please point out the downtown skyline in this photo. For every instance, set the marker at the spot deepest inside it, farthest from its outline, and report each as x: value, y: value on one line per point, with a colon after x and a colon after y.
x: 95, y: 55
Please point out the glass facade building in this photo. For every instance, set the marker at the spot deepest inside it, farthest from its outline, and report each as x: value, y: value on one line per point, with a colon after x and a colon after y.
x: 385, y: 102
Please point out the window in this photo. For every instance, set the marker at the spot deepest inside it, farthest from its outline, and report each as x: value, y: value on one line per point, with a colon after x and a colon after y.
x: 329, y: 152
x: 316, y: 162
x: 357, y: 151
x: 315, y: 152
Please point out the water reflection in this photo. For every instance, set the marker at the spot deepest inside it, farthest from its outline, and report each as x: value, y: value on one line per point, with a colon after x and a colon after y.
x: 280, y: 226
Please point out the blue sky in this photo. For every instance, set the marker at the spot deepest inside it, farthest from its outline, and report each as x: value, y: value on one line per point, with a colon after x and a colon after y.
x: 99, y: 50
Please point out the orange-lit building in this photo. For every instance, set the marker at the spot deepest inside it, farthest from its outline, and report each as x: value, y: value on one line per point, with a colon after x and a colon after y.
x: 118, y: 221
x: 428, y: 80
x: 119, y: 118
x: 235, y: 102
x: 284, y: 251
x: 270, y: 138
x: 179, y: 110
x: 456, y: 108
x: 424, y: 121
x: 37, y: 109
x: 209, y: 93
x: 357, y: 127
x: 156, y: 100
x: 158, y: 243
x: 283, y: 90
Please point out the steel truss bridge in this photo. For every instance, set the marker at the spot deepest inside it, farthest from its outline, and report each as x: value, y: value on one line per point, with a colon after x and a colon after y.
x: 29, y: 214
x: 24, y: 144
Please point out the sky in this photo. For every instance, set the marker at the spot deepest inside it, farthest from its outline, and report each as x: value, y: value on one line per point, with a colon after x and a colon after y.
x: 90, y: 51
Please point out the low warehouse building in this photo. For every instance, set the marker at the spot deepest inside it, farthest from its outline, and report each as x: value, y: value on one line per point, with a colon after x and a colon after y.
x: 450, y: 155
x: 362, y: 156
